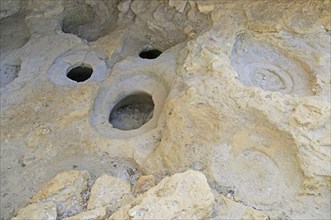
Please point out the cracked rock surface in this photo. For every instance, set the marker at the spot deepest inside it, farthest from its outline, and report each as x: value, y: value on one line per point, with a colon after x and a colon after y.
x: 238, y: 111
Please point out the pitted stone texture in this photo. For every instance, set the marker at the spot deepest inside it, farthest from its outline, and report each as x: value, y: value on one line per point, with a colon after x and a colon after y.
x: 109, y: 191
x: 144, y: 183
x: 33, y: 211
x: 9, y: 7
x: 226, y: 208
x: 66, y: 190
x: 57, y: 73
x: 207, y: 109
x: 94, y: 214
x: 178, y: 4
x: 124, y: 6
x: 8, y: 73
x: 182, y: 196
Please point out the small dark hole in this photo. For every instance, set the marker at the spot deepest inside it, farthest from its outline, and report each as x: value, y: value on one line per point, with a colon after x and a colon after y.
x: 80, y: 73
x: 150, y: 54
x: 132, y: 112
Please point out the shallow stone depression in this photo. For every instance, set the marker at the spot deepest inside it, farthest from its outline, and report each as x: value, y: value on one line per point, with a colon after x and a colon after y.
x: 132, y: 112
x: 14, y: 33
x: 261, y: 65
x: 129, y: 106
x: 260, y: 165
x: 85, y: 21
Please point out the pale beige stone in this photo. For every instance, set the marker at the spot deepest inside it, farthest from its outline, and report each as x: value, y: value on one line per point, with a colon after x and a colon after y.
x: 242, y: 87
x: 34, y: 211
x: 205, y: 6
x: 182, y: 196
x: 252, y: 214
x: 178, y: 4
x: 66, y: 190
x: 109, y: 191
x: 94, y: 214
x: 144, y: 183
x: 124, y: 6
x: 226, y: 208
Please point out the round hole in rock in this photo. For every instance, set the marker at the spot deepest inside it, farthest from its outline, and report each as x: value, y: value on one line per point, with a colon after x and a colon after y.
x: 150, y: 54
x: 132, y: 112
x: 80, y: 73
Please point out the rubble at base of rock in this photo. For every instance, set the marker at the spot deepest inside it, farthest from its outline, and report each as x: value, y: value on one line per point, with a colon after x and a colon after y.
x: 108, y: 105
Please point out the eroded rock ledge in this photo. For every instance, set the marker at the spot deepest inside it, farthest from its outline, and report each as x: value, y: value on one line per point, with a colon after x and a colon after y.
x: 182, y: 196
x: 136, y: 91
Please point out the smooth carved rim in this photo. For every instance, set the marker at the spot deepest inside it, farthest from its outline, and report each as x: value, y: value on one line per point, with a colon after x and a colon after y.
x: 117, y: 90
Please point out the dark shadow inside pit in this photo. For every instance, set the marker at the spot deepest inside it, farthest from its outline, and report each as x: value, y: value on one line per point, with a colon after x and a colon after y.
x: 150, y: 54
x: 132, y: 112
x: 80, y: 73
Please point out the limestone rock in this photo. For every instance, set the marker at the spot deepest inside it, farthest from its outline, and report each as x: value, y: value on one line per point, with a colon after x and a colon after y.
x: 178, y: 4
x: 33, y: 211
x: 226, y: 208
x: 241, y: 92
x: 124, y: 6
x: 9, y: 7
x: 94, y: 214
x: 144, y: 183
x: 205, y: 7
x: 109, y: 191
x: 66, y: 190
x: 182, y: 196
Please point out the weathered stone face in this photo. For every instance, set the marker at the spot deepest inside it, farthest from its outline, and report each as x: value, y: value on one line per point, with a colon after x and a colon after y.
x: 66, y: 190
x: 238, y: 90
x: 110, y: 192
x: 182, y: 196
x: 45, y: 210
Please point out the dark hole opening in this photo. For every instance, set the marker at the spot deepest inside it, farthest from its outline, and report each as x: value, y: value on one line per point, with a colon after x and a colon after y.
x: 80, y: 73
x: 132, y: 112
x: 150, y: 54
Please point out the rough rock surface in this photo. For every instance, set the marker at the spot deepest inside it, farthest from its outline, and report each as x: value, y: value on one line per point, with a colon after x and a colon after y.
x: 144, y: 183
x: 45, y: 210
x: 109, y: 191
x: 66, y: 190
x: 182, y: 196
x: 9, y: 7
x: 94, y: 214
x: 241, y: 92
x: 227, y: 208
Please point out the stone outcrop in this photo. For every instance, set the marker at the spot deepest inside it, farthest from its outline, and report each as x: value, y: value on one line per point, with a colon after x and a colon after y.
x: 46, y: 210
x: 144, y: 183
x: 66, y: 190
x: 109, y: 191
x: 94, y: 214
x: 182, y: 196
x: 236, y: 89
